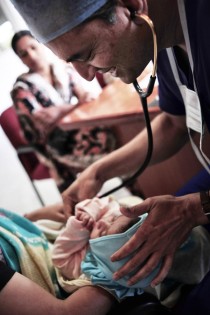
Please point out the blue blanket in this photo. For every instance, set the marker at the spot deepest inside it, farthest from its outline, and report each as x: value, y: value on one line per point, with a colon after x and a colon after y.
x: 26, y: 250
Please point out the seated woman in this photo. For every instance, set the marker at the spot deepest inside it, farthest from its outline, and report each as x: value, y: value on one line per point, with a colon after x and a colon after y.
x: 42, y: 97
x: 83, y: 249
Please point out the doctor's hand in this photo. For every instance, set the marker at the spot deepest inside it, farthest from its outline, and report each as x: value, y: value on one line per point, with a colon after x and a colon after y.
x: 168, y: 224
x: 86, y: 186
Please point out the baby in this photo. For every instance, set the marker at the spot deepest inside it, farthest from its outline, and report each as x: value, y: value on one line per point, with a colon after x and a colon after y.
x: 93, y: 218
x: 98, y: 229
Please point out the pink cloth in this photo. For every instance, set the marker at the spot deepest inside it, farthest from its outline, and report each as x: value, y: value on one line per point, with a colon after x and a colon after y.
x: 71, y: 245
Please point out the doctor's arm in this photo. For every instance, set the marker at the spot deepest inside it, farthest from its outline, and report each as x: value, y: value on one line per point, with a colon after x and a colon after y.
x: 170, y: 134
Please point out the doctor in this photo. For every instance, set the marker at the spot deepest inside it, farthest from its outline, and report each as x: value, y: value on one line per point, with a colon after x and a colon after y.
x: 110, y: 36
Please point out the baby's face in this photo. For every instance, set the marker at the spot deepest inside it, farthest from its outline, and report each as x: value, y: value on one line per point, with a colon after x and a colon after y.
x: 121, y: 224
x: 115, y: 226
x: 100, y: 228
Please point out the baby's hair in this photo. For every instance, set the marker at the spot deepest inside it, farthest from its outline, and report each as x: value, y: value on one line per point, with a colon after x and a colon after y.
x: 128, y: 225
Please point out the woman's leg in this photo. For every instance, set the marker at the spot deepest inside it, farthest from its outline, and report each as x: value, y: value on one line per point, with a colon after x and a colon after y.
x: 21, y: 296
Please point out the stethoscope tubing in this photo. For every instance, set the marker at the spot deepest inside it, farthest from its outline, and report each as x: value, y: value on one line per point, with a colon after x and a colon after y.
x: 143, y: 97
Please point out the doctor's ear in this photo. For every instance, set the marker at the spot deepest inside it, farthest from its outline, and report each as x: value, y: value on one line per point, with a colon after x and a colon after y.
x: 139, y: 6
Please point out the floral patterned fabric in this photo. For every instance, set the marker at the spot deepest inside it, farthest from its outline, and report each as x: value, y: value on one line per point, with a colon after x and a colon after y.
x: 65, y: 152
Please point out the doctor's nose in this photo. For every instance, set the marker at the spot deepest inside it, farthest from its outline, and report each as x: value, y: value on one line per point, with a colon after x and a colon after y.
x: 88, y: 72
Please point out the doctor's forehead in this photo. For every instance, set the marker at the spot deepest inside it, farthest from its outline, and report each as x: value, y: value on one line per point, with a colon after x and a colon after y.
x: 72, y: 43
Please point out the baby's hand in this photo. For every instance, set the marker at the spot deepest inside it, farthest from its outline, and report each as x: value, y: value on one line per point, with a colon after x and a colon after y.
x: 100, y: 229
x: 86, y: 219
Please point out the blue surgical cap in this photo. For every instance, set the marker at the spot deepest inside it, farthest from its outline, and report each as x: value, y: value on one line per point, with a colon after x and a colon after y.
x: 48, y: 19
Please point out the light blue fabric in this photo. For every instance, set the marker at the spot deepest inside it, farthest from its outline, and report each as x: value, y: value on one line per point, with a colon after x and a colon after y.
x: 98, y: 266
x: 95, y: 272
x: 48, y: 19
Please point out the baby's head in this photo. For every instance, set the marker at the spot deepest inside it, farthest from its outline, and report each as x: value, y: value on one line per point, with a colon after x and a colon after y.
x: 121, y: 224
x: 102, y: 248
x: 116, y: 225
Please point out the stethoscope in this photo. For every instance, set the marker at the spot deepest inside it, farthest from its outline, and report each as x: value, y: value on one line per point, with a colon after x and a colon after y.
x: 143, y: 98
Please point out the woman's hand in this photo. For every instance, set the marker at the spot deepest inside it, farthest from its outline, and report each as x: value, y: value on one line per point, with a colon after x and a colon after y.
x: 167, y: 226
x: 47, y: 118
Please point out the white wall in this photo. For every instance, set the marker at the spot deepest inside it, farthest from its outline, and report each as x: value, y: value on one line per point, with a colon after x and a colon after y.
x: 16, y: 192
x: 10, y: 68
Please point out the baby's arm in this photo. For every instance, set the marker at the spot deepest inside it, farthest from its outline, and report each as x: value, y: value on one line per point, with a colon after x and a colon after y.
x: 70, y: 248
